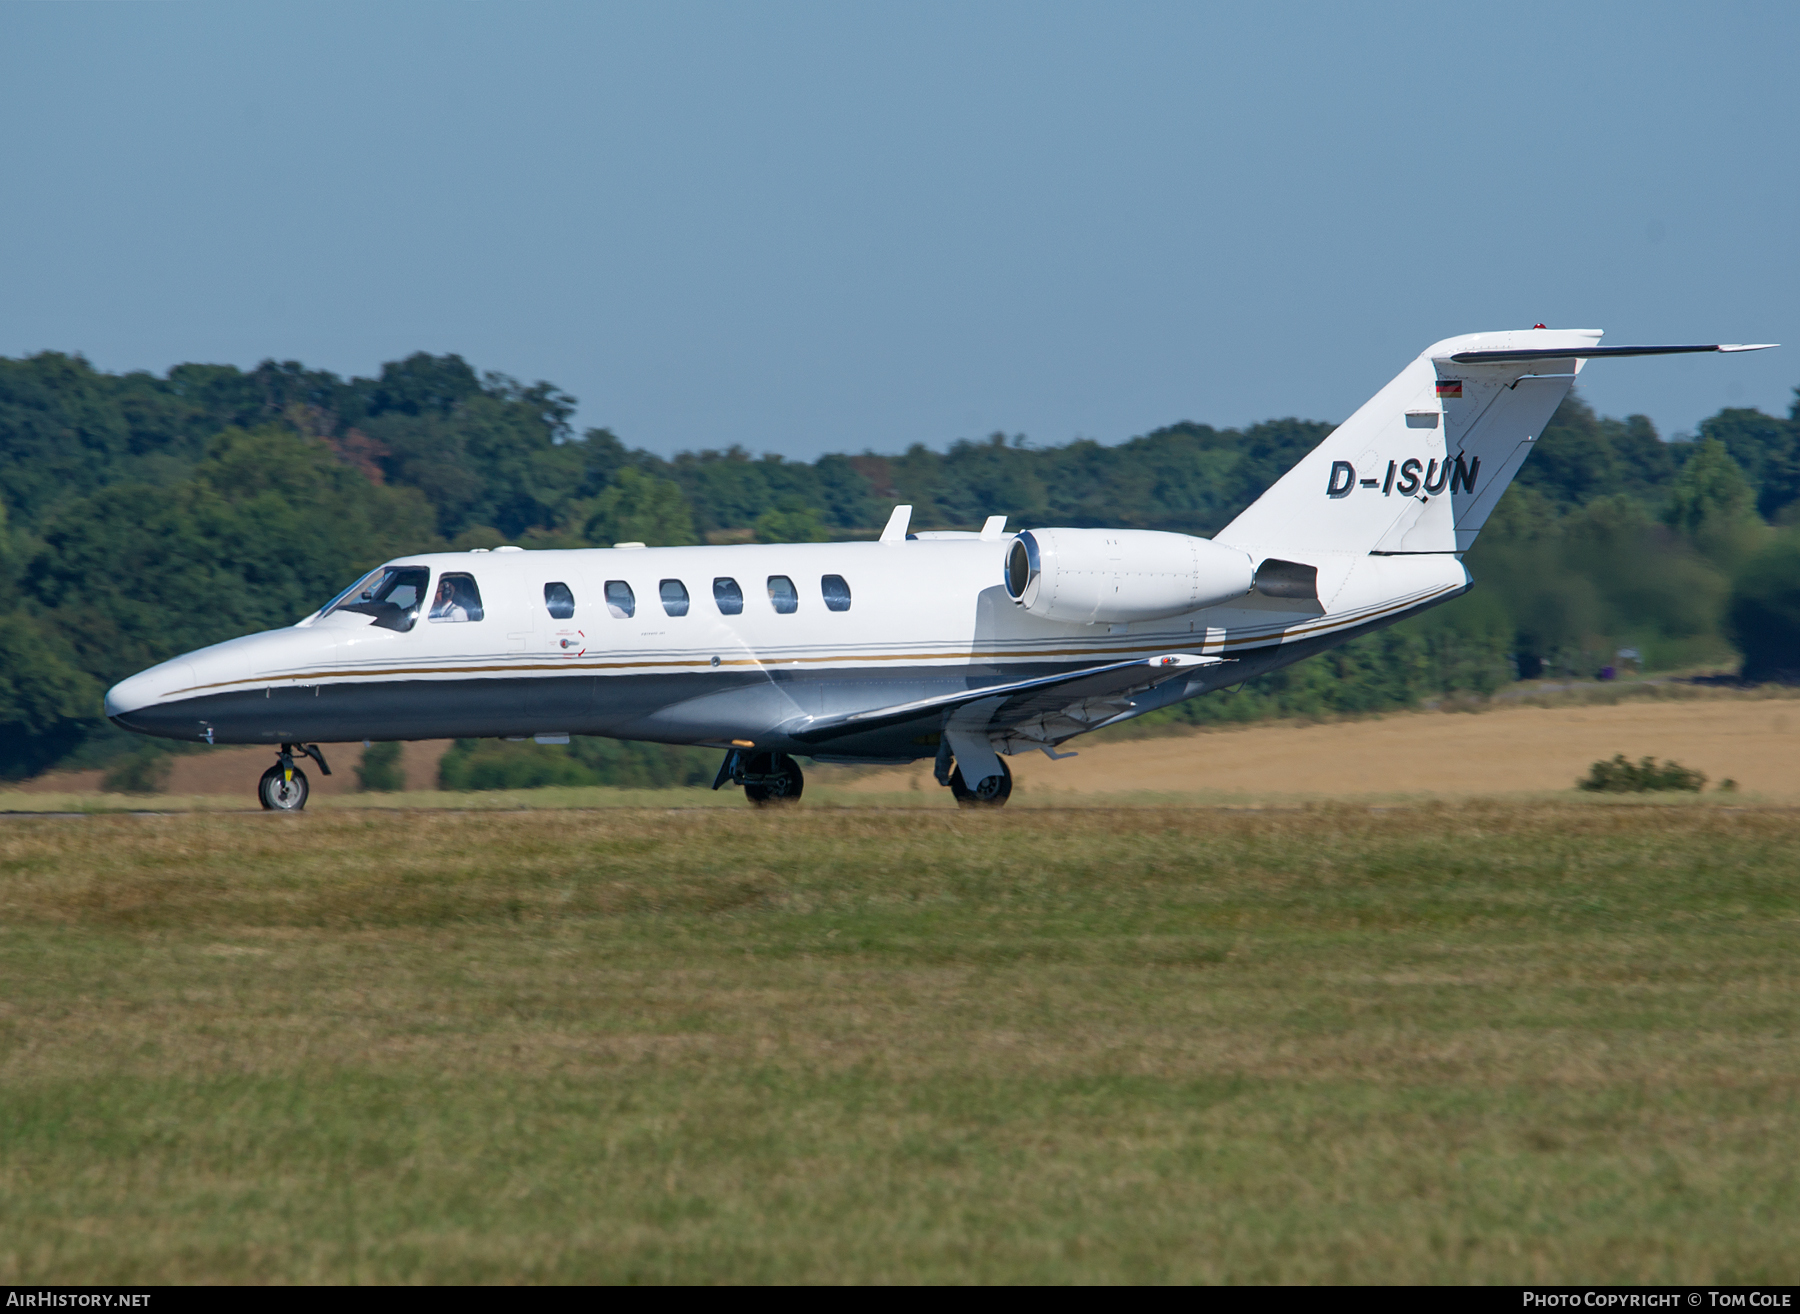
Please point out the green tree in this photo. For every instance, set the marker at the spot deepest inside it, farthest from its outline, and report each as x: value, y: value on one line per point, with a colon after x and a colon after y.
x: 487, y: 451
x: 639, y: 508
x: 1766, y: 449
x: 1764, y: 612
x: 1581, y: 456
x: 1576, y: 584
x: 48, y: 704
x: 1712, y: 505
x: 790, y: 522
x: 269, y: 527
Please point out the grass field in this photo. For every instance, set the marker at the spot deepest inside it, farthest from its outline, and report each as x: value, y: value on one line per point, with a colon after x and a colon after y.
x: 1472, y: 1042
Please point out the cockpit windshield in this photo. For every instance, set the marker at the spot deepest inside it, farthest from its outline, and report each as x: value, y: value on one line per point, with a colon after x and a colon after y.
x: 391, y: 595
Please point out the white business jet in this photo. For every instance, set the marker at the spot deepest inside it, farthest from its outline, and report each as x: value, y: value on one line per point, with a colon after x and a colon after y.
x: 963, y: 647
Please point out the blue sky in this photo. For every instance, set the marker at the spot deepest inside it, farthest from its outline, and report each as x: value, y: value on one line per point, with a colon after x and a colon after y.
x: 808, y: 228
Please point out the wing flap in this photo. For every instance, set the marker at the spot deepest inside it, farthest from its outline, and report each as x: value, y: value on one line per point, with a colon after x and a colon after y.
x: 1024, y: 700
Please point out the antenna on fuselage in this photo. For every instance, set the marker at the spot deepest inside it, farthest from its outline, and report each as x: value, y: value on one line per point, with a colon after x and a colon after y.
x: 896, y: 525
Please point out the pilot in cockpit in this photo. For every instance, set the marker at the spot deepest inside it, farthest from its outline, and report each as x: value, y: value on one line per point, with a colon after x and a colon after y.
x: 447, y: 605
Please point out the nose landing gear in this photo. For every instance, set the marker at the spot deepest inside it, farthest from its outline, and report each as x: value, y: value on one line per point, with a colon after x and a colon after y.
x: 283, y: 787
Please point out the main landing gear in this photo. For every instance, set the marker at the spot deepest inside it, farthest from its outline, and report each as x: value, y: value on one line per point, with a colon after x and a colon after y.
x: 990, y: 793
x: 766, y: 777
x: 770, y: 777
x: 283, y: 787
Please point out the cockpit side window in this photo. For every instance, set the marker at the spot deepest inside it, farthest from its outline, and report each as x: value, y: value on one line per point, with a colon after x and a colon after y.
x: 350, y: 594
x: 784, y: 595
x: 728, y: 595
x: 457, y: 599
x: 620, y: 600
x: 391, y: 595
x: 559, y: 601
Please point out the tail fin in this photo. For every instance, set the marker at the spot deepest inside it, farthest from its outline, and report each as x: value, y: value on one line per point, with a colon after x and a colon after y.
x: 1421, y: 465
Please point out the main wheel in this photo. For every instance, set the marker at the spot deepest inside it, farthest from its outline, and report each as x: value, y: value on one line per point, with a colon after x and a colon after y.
x: 278, y: 793
x: 990, y: 793
x: 783, y: 781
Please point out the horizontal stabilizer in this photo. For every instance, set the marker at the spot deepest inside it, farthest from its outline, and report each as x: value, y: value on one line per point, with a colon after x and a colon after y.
x: 1596, y: 353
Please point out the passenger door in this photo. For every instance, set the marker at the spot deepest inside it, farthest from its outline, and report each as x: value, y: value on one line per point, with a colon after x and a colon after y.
x: 560, y: 620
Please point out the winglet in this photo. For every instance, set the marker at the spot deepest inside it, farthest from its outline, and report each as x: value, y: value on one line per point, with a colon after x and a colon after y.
x: 992, y: 528
x: 896, y: 525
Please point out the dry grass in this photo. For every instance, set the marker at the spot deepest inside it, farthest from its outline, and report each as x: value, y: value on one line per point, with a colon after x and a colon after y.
x: 1450, y: 1043
x: 1520, y: 750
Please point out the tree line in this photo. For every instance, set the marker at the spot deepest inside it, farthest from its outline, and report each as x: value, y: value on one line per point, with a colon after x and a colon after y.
x: 145, y: 515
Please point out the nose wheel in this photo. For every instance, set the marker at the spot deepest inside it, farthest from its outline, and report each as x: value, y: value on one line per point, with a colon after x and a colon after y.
x: 283, y: 787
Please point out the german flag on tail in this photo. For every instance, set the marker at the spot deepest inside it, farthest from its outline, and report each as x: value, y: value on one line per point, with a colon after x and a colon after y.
x: 1449, y: 388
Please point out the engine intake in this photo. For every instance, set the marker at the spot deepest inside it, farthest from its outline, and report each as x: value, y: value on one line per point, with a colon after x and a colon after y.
x: 1089, y: 576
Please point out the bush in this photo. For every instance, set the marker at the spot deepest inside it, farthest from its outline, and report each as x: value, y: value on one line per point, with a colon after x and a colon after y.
x: 1620, y: 776
x: 144, y: 770
x: 380, y: 769
x: 496, y: 764
x: 587, y: 760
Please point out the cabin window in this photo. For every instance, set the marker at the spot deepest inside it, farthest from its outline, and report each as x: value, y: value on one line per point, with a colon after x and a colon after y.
x: 391, y: 595
x: 559, y: 601
x: 456, y: 599
x: 674, y: 597
x: 783, y: 594
x: 836, y: 591
x: 620, y: 600
x: 728, y: 595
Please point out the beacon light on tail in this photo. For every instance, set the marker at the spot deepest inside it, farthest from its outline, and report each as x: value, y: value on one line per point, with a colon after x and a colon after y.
x: 962, y: 647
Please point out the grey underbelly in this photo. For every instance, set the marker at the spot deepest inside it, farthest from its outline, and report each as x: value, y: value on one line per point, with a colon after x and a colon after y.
x: 684, y: 708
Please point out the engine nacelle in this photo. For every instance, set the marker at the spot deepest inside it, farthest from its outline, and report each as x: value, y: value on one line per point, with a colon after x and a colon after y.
x: 1092, y: 575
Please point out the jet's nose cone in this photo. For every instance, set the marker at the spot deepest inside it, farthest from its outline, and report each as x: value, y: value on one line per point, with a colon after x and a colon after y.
x: 139, y: 691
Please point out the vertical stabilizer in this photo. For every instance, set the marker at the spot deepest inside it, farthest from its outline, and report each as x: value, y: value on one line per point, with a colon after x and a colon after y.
x: 1421, y: 465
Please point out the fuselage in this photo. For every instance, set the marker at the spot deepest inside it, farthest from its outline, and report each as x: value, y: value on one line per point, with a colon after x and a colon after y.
x: 651, y: 644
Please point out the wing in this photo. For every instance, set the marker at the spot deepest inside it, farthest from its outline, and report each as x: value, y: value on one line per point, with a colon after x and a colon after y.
x: 1026, y: 713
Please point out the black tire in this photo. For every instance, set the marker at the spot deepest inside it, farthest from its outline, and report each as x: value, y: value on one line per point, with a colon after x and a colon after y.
x: 991, y: 793
x: 277, y: 794
x: 785, y: 781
